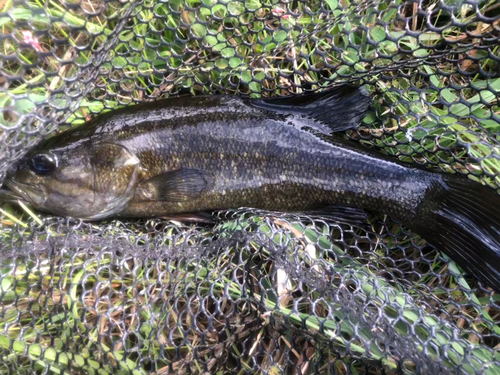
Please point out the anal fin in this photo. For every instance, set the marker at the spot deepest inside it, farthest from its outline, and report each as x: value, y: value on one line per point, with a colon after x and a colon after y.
x: 342, y: 214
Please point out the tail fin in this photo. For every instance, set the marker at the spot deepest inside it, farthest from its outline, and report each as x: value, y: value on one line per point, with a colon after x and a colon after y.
x: 339, y: 108
x: 465, y: 224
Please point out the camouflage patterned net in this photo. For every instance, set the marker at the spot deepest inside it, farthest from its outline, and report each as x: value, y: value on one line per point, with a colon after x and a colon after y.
x: 259, y: 293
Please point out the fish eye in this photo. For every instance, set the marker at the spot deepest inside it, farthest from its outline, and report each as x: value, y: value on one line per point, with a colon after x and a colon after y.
x: 43, y: 164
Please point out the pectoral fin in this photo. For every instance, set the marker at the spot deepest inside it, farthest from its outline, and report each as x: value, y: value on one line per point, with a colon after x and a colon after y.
x: 176, y: 186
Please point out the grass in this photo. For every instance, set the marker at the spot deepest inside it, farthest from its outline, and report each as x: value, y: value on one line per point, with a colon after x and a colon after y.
x: 105, y: 309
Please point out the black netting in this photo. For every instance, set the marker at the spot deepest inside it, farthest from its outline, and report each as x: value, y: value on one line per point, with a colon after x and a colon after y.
x: 259, y: 292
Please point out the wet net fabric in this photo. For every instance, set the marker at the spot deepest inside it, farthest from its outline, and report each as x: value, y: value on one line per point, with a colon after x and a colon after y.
x: 259, y: 292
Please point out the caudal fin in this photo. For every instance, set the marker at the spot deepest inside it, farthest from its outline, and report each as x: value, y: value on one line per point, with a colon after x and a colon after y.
x: 465, y: 224
x: 339, y: 108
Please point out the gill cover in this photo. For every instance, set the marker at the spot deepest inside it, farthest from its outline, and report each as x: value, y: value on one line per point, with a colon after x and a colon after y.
x: 115, y: 172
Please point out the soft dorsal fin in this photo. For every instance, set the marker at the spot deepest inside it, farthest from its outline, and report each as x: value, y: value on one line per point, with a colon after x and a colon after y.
x: 177, y: 186
x: 339, y: 108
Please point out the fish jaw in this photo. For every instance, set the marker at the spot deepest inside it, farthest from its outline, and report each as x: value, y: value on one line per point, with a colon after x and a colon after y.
x: 7, y: 196
x: 26, y: 193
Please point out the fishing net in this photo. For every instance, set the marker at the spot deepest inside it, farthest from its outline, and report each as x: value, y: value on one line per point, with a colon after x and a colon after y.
x: 258, y: 292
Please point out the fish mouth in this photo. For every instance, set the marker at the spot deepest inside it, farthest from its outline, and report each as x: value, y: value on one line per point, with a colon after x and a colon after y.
x: 25, y: 193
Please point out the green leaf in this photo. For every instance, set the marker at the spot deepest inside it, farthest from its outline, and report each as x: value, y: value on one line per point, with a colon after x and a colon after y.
x: 198, y: 30
x: 333, y: 4
x: 212, y: 40
x: 228, y: 52
x: 4, y: 20
x: 280, y: 36
x: 234, y: 62
x: 377, y: 33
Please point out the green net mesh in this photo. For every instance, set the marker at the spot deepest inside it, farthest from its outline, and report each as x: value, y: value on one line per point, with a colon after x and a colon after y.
x: 259, y: 292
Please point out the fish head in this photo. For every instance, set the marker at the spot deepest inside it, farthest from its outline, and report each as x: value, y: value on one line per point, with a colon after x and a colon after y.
x: 86, y: 181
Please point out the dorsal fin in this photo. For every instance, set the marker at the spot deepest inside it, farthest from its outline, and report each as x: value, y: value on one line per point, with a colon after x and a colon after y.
x: 339, y: 108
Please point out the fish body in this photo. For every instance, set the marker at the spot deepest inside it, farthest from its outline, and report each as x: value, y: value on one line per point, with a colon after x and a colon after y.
x: 186, y: 155
x: 252, y: 160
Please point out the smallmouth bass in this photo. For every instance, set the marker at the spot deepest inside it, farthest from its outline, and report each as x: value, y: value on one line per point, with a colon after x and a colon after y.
x: 188, y: 155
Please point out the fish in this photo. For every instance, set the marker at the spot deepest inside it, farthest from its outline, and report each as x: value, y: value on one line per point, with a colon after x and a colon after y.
x: 185, y: 156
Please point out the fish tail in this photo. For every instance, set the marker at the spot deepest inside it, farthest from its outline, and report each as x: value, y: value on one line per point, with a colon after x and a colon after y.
x: 465, y: 224
x: 339, y: 108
